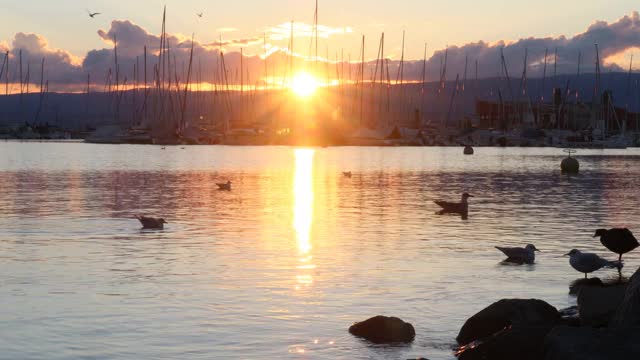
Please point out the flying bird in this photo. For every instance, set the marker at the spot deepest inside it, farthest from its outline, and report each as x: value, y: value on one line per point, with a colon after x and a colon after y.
x: 224, y: 186
x: 200, y: 15
x: 525, y: 255
x: 461, y: 207
x: 588, y: 262
x: 150, y: 222
x: 92, y: 15
x: 619, y: 241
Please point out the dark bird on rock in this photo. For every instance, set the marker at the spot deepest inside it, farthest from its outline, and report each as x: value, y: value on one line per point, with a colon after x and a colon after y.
x: 525, y: 255
x: 617, y: 240
x: 461, y: 207
x: 150, y: 222
x: 224, y: 186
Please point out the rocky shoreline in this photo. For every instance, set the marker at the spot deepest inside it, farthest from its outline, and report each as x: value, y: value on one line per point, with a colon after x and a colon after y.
x: 604, y: 325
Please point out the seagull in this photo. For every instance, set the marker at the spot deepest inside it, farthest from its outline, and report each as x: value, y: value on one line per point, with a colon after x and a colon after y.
x: 92, y: 15
x: 461, y: 208
x: 224, y: 186
x: 151, y: 223
x: 200, y: 15
x: 588, y: 262
x: 525, y: 255
x: 346, y: 173
x: 619, y: 241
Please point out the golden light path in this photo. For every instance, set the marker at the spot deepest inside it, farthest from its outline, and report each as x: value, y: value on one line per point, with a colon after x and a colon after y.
x: 304, y: 84
x: 303, y: 210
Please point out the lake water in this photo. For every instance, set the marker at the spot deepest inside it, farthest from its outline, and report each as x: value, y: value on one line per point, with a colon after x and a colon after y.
x: 279, y: 267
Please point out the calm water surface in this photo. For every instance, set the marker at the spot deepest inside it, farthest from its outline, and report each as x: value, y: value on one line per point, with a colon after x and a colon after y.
x: 279, y: 267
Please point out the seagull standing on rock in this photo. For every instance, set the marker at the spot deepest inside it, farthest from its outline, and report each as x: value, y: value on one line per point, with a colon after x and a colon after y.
x: 525, y: 255
x: 588, y: 262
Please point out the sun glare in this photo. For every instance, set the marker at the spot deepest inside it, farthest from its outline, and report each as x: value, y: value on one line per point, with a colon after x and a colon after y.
x: 304, y: 85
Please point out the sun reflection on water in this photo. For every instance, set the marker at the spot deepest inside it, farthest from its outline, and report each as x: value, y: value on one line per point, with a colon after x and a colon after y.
x: 303, y: 211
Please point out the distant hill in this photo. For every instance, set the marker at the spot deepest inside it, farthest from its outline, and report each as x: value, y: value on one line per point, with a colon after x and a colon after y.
x: 77, y: 111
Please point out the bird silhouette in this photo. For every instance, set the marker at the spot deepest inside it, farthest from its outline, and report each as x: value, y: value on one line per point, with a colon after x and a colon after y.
x: 224, y: 186
x: 525, y: 255
x: 151, y: 223
x: 617, y: 240
x: 92, y: 15
x: 200, y: 15
x: 461, y: 207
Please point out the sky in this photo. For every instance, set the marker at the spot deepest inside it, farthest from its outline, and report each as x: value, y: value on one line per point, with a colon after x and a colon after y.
x: 65, y: 26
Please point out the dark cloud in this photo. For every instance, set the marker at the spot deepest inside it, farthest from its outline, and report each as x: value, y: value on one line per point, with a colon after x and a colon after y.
x: 62, y: 68
x: 612, y: 39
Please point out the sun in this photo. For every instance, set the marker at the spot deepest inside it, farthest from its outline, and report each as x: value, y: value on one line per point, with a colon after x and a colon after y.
x: 303, y: 84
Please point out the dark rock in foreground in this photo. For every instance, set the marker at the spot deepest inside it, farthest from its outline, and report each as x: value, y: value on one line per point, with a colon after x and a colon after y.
x: 620, y: 340
x: 517, y: 342
x: 505, y: 313
x: 384, y: 330
x: 628, y: 313
x: 587, y: 343
x: 598, y: 304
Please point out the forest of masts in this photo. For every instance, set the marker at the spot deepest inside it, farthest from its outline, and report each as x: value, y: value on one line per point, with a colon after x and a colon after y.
x: 172, y: 98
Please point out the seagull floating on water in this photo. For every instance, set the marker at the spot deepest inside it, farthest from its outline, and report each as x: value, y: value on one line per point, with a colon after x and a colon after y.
x: 619, y: 241
x: 588, y: 262
x: 525, y: 255
x: 346, y: 173
x: 461, y: 207
x: 92, y: 15
x: 224, y: 186
x: 150, y: 222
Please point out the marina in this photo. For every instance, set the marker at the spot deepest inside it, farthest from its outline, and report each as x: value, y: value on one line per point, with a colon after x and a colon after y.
x: 319, y: 180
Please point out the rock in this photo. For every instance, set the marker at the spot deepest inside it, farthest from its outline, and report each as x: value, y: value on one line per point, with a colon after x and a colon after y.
x: 587, y: 343
x: 516, y: 342
x: 598, y: 304
x: 576, y: 285
x: 508, y: 312
x: 383, y: 330
x: 628, y: 313
x: 569, y: 316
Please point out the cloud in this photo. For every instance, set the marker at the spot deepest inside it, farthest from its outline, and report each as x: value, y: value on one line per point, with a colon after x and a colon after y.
x: 226, y: 30
x: 235, y: 42
x: 613, y: 39
x: 301, y: 29
x: 63, y: 68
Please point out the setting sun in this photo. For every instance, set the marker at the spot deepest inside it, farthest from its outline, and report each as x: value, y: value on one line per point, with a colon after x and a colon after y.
x: 304, y: 84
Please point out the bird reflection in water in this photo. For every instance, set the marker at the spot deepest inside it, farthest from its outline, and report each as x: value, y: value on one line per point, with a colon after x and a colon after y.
x: 303, y: 213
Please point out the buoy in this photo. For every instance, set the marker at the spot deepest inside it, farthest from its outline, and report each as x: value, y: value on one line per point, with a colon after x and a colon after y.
x: 570, y: 165
x: 468, y: 150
